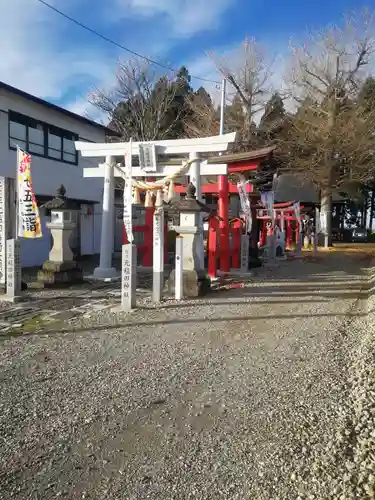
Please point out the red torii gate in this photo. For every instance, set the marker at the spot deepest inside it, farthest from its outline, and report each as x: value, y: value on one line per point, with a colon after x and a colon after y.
x: 239, y: 163
x: 288, y: 215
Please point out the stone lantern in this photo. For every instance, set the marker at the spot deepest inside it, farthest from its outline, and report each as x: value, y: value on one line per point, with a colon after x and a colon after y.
x: 195, y: 279
x: 61, y: 268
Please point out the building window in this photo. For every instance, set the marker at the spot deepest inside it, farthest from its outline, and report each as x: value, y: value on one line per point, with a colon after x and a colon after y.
x: 41, y: 139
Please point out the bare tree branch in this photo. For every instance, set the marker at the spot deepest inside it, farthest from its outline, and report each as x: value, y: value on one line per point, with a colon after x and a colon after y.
x: 140, y: 104
x: 331, y: 138
x: 249, y: 74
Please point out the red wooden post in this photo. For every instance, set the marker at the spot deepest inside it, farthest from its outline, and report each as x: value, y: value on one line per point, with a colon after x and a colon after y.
x: 212, y: 246
x: 297, y: 232
x: 223, y: 210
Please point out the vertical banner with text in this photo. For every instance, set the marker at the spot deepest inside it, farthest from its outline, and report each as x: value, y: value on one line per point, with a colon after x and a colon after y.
x: 245, y: 204
x: 129, y: 253
x: 297, y: 213
x: 27, y: 209
x: 128, y: 198
x: 268, y: 200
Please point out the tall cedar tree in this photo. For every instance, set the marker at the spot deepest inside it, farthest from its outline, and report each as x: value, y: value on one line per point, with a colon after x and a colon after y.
x: 180, y: 110
x: 273, y: 119
x: 202, y: 118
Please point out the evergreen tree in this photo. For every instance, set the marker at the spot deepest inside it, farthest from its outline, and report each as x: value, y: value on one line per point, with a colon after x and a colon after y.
x: 366, y: 95
x: 180, y: 110
x: 144, y: 105
x: 204, y: 96
x: 201, y: 119
x: 273, y: 118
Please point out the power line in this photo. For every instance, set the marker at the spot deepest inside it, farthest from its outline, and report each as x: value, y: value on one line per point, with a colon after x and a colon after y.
x: 118, y: 45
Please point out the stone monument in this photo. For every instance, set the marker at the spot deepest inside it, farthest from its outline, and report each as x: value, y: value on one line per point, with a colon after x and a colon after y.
x: 195, y: 280
x: 61, y: 268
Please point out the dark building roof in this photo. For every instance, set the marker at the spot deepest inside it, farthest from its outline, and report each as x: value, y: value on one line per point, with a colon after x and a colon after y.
x: 248, y: 155
x: 60, y: 110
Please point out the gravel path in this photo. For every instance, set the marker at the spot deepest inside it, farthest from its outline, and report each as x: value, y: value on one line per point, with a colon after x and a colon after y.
x: 248, y: 395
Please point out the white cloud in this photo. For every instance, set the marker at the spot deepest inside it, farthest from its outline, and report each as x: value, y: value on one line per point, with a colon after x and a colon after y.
x: 32, y: 57
x: 38, y: 56
x: 185, y: 17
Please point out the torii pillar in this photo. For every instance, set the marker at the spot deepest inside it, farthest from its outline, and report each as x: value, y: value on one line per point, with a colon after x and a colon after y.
x: 195, y: 179
x: 223, y: 213
x: 105, y: 269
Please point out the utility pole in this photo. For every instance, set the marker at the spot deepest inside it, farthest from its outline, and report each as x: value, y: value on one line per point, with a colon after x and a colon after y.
x: 222, y: 107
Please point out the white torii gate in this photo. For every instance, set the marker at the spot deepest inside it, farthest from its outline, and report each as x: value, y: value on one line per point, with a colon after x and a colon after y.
x: 109, y: 151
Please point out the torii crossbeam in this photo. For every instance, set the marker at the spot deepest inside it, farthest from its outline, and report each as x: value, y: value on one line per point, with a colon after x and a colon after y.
x: 114, y: 154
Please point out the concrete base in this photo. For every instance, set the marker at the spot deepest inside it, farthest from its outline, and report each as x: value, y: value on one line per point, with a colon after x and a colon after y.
x: 13, y: 300
x: 59, y: 273
x: 119, y: 309
x: 157, y: 286
x: 115, y: 279
x: 195, y: 284
x: 103, y: 273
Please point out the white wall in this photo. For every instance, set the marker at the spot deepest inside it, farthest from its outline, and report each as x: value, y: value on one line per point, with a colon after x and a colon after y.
x: 35, y: 252
x: 48, y: 175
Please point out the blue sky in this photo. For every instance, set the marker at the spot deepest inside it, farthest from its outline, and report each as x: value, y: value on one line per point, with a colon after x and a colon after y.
x: 48, y: 56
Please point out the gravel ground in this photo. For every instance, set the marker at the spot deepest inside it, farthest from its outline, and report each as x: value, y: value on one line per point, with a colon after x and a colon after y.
x: 261, y: 393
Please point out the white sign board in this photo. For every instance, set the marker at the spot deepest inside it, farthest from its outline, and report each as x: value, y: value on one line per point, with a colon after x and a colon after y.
x: 147, y: 157
x: 158, y: 261
x: 178, y: 280
x: 158, y: 256
x: 3, y: 231
x: 13, y: 268
x: 128, y: 276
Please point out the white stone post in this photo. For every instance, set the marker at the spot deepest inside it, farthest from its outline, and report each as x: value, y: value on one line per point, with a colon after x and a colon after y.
x: 13, y: 270
x: 158, y: 256
x: 179, y: 269
x: 195, y: 179
x: 128, y: 277
x: 105, y: 269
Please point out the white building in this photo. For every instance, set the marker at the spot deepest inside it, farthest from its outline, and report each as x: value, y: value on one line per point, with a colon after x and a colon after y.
x: 48, y: 132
